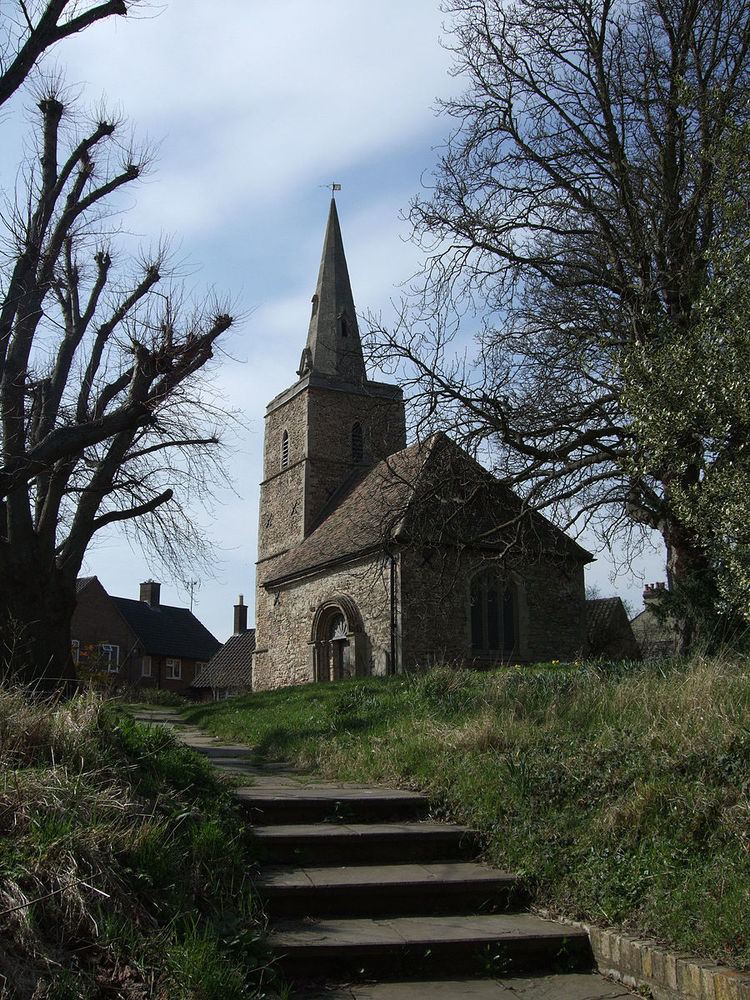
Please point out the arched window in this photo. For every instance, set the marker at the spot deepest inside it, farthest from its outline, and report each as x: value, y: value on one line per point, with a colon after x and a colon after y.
x: 358, y: 443
x: 344, y: 327
x: 492, y: 614
x: 285, y: 450
x: 314, y: 301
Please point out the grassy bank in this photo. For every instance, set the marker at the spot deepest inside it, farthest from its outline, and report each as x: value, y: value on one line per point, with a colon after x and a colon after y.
x: 621, y: 792
x: 122, y: 862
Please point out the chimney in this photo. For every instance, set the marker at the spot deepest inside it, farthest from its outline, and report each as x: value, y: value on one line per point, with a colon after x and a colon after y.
x: 150, y: 593
x: 653, y: 591
x: 240, y: 616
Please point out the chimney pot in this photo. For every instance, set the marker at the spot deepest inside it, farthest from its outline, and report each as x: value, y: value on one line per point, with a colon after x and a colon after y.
x: 240, y: 616
x: 151, y: 593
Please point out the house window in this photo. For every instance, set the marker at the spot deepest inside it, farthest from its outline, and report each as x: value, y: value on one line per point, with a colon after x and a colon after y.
x: 200, y: 664
x: 145, y: 666
x: 492, y: 614
x: 285, y: 449
x: 75, y: 650
x: 174, y: 669
x: 358, y: 443
x: 110, y: 655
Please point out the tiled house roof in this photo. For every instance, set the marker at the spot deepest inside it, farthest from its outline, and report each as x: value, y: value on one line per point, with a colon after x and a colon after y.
x: 167, y: 631
x: 599, y: 614
x: 608, y: 630
x: 231, y: 667
x: 82, y: 582
x: 382, y: 503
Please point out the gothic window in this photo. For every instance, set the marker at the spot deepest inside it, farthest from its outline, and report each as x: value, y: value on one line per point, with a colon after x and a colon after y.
x: 285, y: 449
x: 492, y: 614
x: 314, y: 304
x: 344, y: 327
x: 358, y: 443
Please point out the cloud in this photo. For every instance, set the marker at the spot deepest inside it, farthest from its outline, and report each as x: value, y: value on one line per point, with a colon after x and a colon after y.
x: 254, y: 100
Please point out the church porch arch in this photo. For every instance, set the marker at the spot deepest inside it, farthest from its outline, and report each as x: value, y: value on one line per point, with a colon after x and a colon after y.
x: 337, y: 640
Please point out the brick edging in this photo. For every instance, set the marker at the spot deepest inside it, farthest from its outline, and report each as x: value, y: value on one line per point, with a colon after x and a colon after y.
x: 644, y: 965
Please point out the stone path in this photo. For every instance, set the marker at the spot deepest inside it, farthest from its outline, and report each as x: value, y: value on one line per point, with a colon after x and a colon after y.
x: 362, y: 888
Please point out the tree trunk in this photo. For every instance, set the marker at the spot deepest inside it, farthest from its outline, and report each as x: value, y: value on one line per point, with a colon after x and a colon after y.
x: 35, y: 609
x: 688, y: 573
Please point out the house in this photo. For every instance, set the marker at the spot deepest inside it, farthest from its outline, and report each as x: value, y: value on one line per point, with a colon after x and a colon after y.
x: 229, y: 671
x: 655, y: 636
x: 141, y: 642
x: 375, y: 556
x: 608, y: 631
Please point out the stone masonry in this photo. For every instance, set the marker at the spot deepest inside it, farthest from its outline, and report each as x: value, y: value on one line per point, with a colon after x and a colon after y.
x: 374, y: 556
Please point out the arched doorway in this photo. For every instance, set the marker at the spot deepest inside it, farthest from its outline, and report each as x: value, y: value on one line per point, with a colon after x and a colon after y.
x: 337, y: 628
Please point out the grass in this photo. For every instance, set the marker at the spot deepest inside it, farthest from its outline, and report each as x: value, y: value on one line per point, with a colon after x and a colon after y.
x: 123, y: 862
x: 621, y: 792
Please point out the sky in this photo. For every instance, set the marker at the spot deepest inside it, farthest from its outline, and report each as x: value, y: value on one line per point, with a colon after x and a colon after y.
x: 253, y: 108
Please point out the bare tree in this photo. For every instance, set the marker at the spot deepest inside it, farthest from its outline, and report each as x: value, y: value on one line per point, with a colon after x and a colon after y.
x: 31, y: 28
x: 104, y: 412
x: 574, y: 206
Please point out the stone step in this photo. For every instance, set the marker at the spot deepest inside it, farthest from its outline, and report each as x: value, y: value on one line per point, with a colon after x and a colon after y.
x: 340, y: 804
x: 434, y: 947
x: 560, y: 986
x: 364, y: 843
x: 377, y: 890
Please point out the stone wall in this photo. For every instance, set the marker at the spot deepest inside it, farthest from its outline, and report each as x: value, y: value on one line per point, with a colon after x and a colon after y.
x: 280, y: 514
x: 284, y: 621
x: 281, y: 510
x: 550, y: 607
x: 330, y: 417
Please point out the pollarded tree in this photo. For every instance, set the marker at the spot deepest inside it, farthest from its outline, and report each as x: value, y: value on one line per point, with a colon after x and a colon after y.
x: 31, y: 27
x: 104, y: 414
x: 575, y: 203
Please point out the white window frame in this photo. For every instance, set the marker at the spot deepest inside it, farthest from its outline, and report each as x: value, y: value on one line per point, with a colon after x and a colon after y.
x: 146, y: 662
x: 174, y: 668
x: 105, y: 649
x: 75, y: 650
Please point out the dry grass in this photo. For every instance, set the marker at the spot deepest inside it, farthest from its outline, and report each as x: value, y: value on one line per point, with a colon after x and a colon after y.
x: 114, y: 841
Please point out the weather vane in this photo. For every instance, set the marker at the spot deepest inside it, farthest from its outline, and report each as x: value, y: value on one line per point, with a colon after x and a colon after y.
x: 334, y: 188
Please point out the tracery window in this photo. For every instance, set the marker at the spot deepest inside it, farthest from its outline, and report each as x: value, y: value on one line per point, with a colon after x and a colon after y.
x: 492, y: 614
x: 358, y: 443
x: 285, y: 450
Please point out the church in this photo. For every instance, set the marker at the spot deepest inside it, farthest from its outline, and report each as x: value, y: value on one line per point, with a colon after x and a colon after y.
x: 375, y: 557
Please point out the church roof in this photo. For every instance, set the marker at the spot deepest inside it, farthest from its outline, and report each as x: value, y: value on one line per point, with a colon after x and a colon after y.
x: 333, y: 346
x: 419, y: 495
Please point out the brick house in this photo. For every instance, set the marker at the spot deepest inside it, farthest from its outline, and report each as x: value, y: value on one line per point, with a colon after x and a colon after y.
x: 142, y: 643
x: 374, y: 556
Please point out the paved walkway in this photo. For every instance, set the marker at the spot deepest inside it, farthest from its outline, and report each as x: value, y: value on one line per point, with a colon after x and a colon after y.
x: 361, y: 886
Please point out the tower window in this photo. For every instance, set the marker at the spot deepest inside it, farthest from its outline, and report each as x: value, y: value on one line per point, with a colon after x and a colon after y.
x: 285, y: 450
x: 358, y: 443
x: 344, y: 327
x: 314, y: 304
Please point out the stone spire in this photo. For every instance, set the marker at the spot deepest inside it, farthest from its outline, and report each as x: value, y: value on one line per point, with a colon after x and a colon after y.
x: 333, y: 346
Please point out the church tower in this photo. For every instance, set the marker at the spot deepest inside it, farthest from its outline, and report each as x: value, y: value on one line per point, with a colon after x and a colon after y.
x: 326, y: 428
